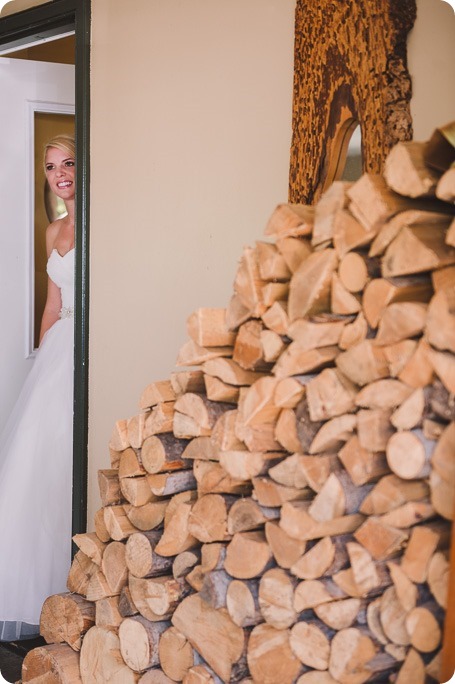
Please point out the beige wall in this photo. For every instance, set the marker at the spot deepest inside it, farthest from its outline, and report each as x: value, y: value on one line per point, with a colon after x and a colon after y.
x: 431, y: 63
x: 191, y: 126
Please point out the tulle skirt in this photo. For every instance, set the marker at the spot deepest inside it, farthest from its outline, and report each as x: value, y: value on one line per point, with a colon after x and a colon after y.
x: 35, y: 487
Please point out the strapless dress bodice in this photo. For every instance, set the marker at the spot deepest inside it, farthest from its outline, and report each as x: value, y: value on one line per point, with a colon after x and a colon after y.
x: 61, y: 271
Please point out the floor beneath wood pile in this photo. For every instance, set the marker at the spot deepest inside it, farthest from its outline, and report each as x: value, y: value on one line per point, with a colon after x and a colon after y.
x: 12, y: 653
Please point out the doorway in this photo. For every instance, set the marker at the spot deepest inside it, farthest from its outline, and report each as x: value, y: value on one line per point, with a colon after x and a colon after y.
x: 22, y: 32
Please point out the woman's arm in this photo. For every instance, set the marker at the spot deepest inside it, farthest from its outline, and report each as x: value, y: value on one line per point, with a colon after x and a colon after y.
x: 54, y: 298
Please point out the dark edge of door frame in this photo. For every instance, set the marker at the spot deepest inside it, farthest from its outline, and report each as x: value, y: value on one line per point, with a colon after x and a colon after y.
x: 16, y: 30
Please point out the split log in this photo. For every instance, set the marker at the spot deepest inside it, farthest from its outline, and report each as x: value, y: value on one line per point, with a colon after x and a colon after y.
x: 381, y: 292
x: 187, y: 381
x: 217, y: 390
x: 242, y: 602
x: 107, y: 613
x: 351, y: 651
x: 157, y: 598
x: 406, y: 591
x: 298, y: 523
x: 286, y: 431
x: 272, y: 345
x: 248, y: 283
x: 331, y: 200
x: 91, y: 545
x: 348, y: 232
x: 417, y: 249
x: 176, y: 655
x: 338, y: 496
x: 401, y: 321
x: 310, y: 642
x: 339, y: 614
x: 223, y: 436
x: 207, y: 328
x: 119, y: 437
x: 101, y: 660
x: 141, y: 558
x: 270, y: 658
x: 374, y: 428
x: 362, y: 465
x: 147, y: 517
x: 317, y: 470
x: 438, y: 578
x: 156, y: 393
x: 114, y: 567
x: 214, y: 588
x: 176, y: 537
x: 326, y: 557
x: 195, y: 415
x: 276, y: 598
x: 192, y: 354
x: 408, y: 454
x: 290, y: 220
x: 248, y: 555
x: 297, y: 360
x: 211, y: 632
x: 412, y: 670
x: 334, y: 433
x: 65, y: 618
x: 136, y: 490
x: 246, y: 514
x: 445, y: 189
x: 168, y: 484
x: 309, y: 291
x: 230, y: 372
x: 289, y: 472
x: 405, y: 170
x: 208, y: 518
x: 288, y: 392
x: 381, y: 541
x: 272, y: 265
x: 354, y: 333
x: 294, y: 250
x: 163, y: 453
x: 342, y: 301
x: 246, y: 465
x: 410, y: 414
x: 391, y: 492
x: 184, y: 562
x: 52, y: 663
x: 117, y: 523
x: 109, y: 486
x: 276, y: 318
x: 440, y: 323
x: 363, y: 363
x: 423, y: 628
x: 248, y: 353
x: 139, y: 639
x: 98, y: 588
x: 82, y: 568
x: 286, y: 550
x: 330, y: 394
x: 312, y: 593
x: 418, y: 369
x: 212, y: 479
x: 270, y: 493
x: 126, y: 606
x: 418, y: 554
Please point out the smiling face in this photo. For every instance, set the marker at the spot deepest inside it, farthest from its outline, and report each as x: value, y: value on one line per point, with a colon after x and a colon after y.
x: 60, y: 172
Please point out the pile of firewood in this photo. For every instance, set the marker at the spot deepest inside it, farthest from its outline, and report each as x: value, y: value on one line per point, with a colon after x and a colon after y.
x: 279, y: 511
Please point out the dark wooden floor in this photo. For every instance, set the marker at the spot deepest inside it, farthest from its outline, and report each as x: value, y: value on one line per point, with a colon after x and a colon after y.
x: 11, y: 656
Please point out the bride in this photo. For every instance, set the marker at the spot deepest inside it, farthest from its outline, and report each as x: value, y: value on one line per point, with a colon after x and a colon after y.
x: 37, y: 442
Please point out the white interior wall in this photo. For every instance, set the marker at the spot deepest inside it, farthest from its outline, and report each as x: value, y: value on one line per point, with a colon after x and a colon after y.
x: 191, y: 126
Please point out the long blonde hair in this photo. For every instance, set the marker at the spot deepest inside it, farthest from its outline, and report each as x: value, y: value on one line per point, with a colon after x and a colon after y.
x: 63, y: 142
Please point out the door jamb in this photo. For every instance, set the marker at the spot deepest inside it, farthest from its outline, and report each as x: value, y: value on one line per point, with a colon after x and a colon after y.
x: 16, y: 30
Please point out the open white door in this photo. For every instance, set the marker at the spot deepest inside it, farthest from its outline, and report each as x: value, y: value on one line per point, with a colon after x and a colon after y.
x: 24, y: 85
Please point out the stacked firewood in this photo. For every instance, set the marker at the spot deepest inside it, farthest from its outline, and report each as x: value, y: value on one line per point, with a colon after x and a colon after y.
x: 279, y: 510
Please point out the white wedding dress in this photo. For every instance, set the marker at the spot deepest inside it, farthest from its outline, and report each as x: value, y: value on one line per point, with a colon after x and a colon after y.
x: 36, y: 474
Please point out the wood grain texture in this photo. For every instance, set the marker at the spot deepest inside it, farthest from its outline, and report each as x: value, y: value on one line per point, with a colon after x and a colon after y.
x: 349, y: 64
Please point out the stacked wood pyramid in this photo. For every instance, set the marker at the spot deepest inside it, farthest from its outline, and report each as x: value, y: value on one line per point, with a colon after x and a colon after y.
x: 279, y: 510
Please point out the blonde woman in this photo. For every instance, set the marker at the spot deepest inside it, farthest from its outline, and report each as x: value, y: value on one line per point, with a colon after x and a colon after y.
x: 37, y: 442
